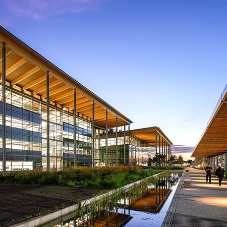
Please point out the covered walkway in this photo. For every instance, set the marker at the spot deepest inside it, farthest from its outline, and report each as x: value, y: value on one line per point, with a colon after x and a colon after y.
x: 201, y: 205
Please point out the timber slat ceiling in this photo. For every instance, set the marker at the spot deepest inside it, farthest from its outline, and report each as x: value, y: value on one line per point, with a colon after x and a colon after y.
x: 26, y: 69
x: 149, y: 135
x: 214, y: 139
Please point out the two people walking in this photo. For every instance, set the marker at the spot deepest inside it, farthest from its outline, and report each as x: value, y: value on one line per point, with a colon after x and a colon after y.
x: 220, y: 173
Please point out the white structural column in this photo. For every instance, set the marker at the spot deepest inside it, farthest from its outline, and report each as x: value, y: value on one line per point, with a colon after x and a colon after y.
x: 75, y: 130
x: 48, y: 122
x: 4, y: 108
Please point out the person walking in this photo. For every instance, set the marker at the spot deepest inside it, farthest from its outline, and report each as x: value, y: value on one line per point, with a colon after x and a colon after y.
x: 208, y: 170
x: 220, y: 173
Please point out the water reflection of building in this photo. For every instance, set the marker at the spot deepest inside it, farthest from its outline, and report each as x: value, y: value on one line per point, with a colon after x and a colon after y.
x: 49, y: 120
x: 118, y: 210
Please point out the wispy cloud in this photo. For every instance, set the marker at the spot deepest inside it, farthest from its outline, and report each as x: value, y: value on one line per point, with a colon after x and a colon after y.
x: 39, y: 9
x: 182, y: 149
x: 188, y: 120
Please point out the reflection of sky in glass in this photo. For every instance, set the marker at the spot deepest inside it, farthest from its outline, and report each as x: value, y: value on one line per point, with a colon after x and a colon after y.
x: 142, y: 219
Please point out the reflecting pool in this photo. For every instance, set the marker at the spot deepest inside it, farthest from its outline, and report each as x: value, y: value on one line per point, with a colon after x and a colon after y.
x: 143, y: 204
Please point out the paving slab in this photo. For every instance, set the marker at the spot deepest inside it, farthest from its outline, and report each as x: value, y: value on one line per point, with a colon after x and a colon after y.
x: 203, y: 204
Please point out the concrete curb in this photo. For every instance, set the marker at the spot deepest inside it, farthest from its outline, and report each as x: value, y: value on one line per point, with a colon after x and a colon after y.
x: 169, y: 215
x: 40, y: 220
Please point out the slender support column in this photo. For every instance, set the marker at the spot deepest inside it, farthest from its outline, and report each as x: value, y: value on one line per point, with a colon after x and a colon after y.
x: 48, y: 123
x: 159, y: 149
x: 213, y: 167
x: 106, y: 137
x: 116, y: 144
x: 93, y: 134
x: 166, y: 152
x: 162, y: 151
x: 124, y: 143
x: 164, y: 147
x: 75, y: 131
x: 225, y: 164
x: 129, y: 143
x: 156, y: 141
x: 4, y: 108
x: 99, y: 148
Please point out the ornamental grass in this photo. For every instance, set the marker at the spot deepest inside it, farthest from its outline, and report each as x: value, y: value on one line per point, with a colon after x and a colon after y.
x: 97, y: 177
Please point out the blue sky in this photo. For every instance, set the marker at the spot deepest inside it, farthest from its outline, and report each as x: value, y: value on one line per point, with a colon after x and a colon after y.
x: 159, y: 62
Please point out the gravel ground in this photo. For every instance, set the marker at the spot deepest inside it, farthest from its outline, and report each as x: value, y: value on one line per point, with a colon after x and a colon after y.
x: 22, y: 202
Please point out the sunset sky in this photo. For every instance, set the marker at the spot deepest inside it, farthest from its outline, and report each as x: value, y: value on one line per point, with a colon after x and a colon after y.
x: 159, y: 62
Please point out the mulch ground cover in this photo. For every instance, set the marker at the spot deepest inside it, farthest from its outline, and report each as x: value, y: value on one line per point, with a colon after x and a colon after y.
x: 21, y: 202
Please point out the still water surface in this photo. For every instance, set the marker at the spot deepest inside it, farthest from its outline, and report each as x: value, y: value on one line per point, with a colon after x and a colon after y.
x: 143, y: 205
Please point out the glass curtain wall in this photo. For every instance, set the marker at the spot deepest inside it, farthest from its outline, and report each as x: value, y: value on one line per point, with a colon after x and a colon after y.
x: 26, y: 134
x: 112, y: 148
x: 137, y: 151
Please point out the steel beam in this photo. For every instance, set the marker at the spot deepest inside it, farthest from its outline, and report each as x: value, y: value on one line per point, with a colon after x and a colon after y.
x: 4, y: 107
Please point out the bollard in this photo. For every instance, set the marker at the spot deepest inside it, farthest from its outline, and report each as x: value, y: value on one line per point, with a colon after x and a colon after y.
x: 187, y: 174
x: 187, y: 183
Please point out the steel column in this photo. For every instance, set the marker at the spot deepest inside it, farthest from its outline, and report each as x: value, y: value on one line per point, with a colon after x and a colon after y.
x: 93, y: 134
x: 48, y: 123
x: 156, y: 148
x: 75, y: 130
x: 4, y: 107
x: 116, y: 145
x: 106, y: 137
x: 162, y: 150
x: 99, y: 147
x: 225, y: 165
x: 129, y: 143
x: 159, y: 149
x: 124, y: 143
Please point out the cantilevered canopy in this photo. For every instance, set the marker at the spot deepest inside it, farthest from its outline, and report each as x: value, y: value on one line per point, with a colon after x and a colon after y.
x: 26, y: 69
x: 149, y: 135
x: 214, y: 139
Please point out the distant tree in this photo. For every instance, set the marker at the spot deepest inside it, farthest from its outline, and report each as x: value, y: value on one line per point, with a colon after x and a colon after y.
x: 173, y: 158
x: 158, y: 158
x: 180, y: 160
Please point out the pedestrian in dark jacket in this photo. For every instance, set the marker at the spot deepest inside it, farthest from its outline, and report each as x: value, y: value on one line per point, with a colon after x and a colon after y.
x: 208, y: 170
x: 220, y: 173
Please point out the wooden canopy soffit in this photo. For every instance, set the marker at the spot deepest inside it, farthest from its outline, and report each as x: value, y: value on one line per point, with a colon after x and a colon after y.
x: 149, y: 135
x: 27, y: 69
x: 214, y: 139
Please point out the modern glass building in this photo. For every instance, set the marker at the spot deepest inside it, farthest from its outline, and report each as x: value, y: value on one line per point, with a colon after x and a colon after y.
x: 50, y: 120
x: 136, y: 146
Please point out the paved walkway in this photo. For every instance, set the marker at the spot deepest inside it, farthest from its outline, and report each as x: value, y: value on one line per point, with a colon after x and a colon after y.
x: 203, y: 204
